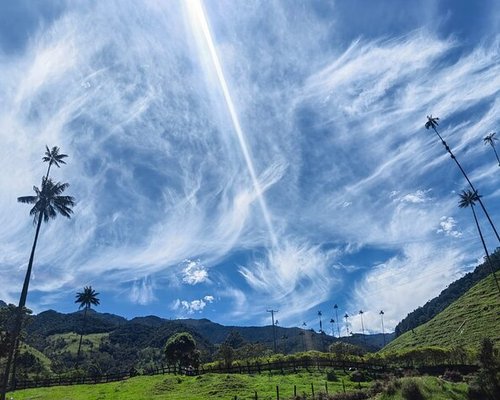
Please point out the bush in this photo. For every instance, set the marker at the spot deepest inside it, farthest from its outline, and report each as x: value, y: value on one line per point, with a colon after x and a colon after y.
x: 331, y: 376
x: 411, y: 390
x: 358, y: 376
x: 453, y: 376
x: 358, y: 395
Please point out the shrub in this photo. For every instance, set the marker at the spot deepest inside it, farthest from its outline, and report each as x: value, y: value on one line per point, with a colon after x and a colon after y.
x: 411, y: 390
x: 331, y: 376
x: 358, y: 376
x: 358, y: 395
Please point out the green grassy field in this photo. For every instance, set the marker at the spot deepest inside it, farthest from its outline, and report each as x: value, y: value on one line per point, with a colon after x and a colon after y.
x: 465, y: 322
x: 208, y: 386
x: 223, y: 386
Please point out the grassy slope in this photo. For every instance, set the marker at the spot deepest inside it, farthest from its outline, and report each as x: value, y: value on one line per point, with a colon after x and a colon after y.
x: 432, y: 388
x: 209, y: 386
x: 72, y: 339
x: 473, y: 316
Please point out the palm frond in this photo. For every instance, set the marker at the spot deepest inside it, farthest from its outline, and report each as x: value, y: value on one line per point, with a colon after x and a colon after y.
x: 27, y: 199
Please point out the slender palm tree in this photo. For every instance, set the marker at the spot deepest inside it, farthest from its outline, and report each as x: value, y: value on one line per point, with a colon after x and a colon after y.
x: 336, y: 307
x: 382, y: 318
x: 320, y: 322
x: 490, y: 139
x: 52, y: 156
x: 468, y: 198
x: 48, y: 202
x: 432, y: 122
x: 284, y: 339
x: 346, y: 316
x: 303, y: 334
x: 332, y: 321
x: 86, y: 299
x: 362, y: 325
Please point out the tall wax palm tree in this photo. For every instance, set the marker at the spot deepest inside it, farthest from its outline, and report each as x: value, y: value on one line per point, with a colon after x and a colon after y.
x: 432, y: 122
x: 332, y: 321
x: 86, y: 299
x: 382, y: 318
x: 362, y: 325
x: 468, y: 198
x: 320, y: 322
x: 490, y: 139
x: 48, y: 202
x: 336, y: 307
x: 303, y: 334
x: 346, y: 316
x: 52, y: 156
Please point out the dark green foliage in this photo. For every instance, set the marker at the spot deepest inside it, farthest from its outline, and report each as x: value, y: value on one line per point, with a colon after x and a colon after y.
x: 453, y: 376
x: 331, y: 376
x: 486, y: 384
x: 411, y: 390
x: 455, y: 290
x: 180, y: 350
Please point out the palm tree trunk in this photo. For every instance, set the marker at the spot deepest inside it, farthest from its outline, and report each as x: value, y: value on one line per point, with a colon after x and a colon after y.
x: 383, y: 331
x: 496, y: 154
x: 20, y: 308
x: 337, y: 319
x: 81, y: 335
x: 469, y: 182
x: 488, y: 259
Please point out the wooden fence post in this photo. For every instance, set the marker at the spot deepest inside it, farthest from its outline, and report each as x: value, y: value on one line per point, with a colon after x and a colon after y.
x: 277, y: 392
x: 312, y: 390
x: 256, y: 396
x: 294, y: 390
x: 326, y: 387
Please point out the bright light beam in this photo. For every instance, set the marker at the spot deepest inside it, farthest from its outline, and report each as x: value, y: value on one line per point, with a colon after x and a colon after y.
x: 198, y: 13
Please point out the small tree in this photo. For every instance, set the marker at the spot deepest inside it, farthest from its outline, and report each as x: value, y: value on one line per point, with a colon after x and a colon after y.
x: 226, y: 354
x: 180, y: 351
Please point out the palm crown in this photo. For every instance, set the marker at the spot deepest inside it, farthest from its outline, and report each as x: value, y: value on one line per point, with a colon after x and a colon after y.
x: 432, y: 122
x: 468, y: 198
x: 87, y: 298
x: 52, y: 156
x: 48, y: 201
x: 490, y: 139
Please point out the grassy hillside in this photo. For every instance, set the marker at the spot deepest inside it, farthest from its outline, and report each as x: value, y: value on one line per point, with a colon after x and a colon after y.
x: 209, y: 386
x: 473, y: 316
x: 222, y: 386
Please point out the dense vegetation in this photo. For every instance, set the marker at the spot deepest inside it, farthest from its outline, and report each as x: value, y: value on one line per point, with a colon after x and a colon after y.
x: 456, y: 289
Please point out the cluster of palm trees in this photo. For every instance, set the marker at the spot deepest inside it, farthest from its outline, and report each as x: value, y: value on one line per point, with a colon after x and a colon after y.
x: 48, y: 202
x: 336, y: 321
x: 469, y: 197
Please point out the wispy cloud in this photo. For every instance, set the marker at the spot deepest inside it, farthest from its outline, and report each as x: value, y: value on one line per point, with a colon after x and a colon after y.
x: 193, y: 306
x: 335, y: 131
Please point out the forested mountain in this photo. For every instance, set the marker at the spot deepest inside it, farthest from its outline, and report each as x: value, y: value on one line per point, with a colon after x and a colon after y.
x: 455, y: 290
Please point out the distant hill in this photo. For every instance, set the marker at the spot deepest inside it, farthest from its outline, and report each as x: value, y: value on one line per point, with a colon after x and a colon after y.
x: 456, y: 289
x: 465, y: 322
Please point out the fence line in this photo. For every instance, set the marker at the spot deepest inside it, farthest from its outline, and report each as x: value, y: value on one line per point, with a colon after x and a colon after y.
x: 284, y: 366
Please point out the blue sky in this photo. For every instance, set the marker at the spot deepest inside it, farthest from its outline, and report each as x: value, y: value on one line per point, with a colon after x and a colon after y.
x: 231, y: 156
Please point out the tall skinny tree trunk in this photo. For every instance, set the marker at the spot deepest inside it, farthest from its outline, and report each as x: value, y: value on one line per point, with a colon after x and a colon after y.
x: 496, y: 154
x: 488, y: 259
x: 469, y: 182
x: 20, y: 312
x: 81, y: 335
